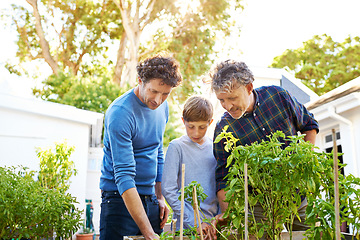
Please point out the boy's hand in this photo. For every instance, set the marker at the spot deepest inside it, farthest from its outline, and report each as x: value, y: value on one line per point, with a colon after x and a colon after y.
x: 219, y: 220
x: 208, y: 231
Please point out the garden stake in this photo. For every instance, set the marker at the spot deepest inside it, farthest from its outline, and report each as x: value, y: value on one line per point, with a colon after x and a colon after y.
x: 182, y: 201
x: 246, y: 202
x: 196, y: 213
x: 195, y: 217
x: 173, y: 227
x: 336, y: 183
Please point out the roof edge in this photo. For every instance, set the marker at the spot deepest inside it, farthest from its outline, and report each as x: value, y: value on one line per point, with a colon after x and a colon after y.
x: 51, y: 109
x: 343, y: 90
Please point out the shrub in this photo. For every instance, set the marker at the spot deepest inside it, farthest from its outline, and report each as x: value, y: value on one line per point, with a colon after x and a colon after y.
x: 33, y: 210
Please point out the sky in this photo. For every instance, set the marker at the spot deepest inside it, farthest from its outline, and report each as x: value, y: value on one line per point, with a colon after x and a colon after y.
x: 267, y: 29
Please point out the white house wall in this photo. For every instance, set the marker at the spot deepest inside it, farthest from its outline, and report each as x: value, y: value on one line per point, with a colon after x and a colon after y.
x: 350, y: 141
x: 93, y: 182
x: 259, y: 82
x: 27, y: 124
x: 21, y: 133
x: 342, y: 115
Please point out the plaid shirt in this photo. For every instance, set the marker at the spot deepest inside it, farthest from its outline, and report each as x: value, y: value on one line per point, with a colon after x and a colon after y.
x: 274, y: 109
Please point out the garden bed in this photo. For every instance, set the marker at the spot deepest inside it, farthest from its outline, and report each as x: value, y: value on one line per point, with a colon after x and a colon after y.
x: 296, y: 235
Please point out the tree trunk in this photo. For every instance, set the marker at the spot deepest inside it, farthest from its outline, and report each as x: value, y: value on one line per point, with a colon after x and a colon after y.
x: 120, y: 61
x: 133, y: 26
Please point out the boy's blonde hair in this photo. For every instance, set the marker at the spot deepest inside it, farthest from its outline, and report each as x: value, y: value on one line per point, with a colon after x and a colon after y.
x: 197, y: 109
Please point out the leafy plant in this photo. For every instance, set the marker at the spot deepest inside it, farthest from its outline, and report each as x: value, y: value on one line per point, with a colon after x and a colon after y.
x: 189, y: 196
x: 55, y: 167
x: 36, y: 209
x: 280, y: 171
x: 188, y: 192
x: 32, y: 211
x: 85, y: 230
x: 321, y: 212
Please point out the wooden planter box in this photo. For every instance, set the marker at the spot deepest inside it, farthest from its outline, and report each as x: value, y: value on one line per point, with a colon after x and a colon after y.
x: 142, y: 238
x: 297, y: 235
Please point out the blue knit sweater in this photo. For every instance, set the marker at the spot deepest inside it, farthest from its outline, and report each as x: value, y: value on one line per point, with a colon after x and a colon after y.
x: 133, y: 139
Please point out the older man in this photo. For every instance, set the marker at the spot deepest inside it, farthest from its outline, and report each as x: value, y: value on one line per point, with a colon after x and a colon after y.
x: 252, y: 114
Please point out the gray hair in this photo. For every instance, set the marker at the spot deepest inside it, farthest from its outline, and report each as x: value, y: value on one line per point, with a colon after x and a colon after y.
x: 230, y: 74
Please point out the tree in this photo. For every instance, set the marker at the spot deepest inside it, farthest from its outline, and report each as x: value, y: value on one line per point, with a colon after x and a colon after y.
x: 71, y: 35
x: 77, y: 38
x: 93, y: 94
x: 64, y: 33
x: 322, y: 63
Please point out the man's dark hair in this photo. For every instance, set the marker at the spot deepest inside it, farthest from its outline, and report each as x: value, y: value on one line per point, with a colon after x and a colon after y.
x: 161, y: 67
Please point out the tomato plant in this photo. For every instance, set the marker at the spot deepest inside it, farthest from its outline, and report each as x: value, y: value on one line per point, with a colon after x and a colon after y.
x: 282, y: 170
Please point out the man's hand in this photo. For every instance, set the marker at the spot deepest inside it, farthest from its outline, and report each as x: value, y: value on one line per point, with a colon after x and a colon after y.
x: 152, y: 237
x: 164, y: 212
x: 132, y: 201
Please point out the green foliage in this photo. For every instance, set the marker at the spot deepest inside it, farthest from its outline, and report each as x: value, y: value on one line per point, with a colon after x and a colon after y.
x: 278, y: 176
x: 322, y: 209
x: 188, y: 193
x: 33, y: 211
x: 83, y: 35
x: 93, y: 94
x: 172, y: 127
x: 322, y: 63
x: 77, y: 32
x: 39, y: 209
x: 191, y: 233
x: 56, y: 168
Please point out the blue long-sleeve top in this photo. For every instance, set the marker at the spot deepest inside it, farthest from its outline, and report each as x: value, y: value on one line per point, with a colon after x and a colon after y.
x: 133, y: 138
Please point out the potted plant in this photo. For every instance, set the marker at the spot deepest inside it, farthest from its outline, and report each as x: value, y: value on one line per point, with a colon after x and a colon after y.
x: 85, y: 234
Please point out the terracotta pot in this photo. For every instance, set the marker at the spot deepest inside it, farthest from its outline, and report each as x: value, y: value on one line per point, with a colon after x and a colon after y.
x: 86, y: 236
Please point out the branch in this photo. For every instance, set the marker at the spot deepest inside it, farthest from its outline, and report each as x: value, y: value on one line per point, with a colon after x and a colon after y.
x: 59, y: 37
x: 146, y: 17
x: 125, y: 15
x: 176, y: 33
x: 88, y: 46
x: 43, y: 43
x: 24, y: 36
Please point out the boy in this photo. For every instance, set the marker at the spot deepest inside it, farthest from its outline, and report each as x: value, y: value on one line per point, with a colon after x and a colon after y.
x: 195, y: 150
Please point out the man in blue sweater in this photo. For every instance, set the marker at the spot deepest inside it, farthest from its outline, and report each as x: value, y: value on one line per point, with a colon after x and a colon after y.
x: 132, y: 203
